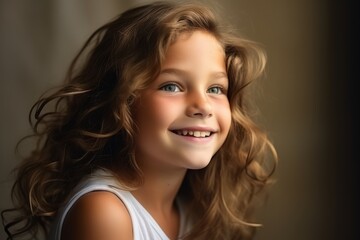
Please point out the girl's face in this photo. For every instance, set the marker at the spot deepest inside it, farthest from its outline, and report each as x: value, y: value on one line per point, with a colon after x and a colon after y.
x: 183, y: 117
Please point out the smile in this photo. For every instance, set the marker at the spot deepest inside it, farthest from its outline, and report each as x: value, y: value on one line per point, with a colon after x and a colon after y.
x: 197, y: 134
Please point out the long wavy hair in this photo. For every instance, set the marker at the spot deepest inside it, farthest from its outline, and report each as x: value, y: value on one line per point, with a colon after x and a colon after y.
x: 87, y: 124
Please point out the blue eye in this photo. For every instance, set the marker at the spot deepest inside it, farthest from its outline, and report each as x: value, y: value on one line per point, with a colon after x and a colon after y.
x: 170, y: 88
x: 215, y: 90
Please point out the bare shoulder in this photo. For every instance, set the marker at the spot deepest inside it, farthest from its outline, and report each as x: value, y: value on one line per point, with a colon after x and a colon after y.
x: 98, y: 215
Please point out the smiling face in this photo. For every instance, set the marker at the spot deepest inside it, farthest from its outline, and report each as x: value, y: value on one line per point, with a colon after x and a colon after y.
x: 183, y: 117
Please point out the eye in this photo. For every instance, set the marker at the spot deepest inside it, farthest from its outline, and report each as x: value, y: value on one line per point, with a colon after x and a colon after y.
x: 216, y: 90
x: 171, y: 87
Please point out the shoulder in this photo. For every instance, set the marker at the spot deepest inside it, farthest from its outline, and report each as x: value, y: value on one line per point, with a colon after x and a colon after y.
x: 98, y: 215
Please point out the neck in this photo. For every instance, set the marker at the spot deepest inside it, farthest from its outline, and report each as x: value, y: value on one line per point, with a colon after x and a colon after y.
x: 160, y: 188
x: 158, y: 192
x: 157, y: 195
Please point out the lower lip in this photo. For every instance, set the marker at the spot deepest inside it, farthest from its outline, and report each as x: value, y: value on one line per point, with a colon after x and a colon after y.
x: 195, y: 139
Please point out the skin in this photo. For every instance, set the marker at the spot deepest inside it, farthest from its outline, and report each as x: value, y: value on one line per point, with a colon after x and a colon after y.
x: 183, y: 118
x: 97, y: 215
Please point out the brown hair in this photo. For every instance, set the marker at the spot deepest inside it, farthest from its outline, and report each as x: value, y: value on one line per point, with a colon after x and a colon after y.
x: 79, y: 125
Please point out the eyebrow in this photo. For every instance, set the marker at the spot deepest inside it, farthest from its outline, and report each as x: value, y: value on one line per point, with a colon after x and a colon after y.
x: 183, y: 73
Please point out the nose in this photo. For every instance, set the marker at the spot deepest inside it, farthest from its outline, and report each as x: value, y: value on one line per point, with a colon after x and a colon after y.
x: 199, y: 106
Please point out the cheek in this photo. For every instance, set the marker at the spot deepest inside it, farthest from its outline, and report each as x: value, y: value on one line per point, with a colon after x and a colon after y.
x: 224, y: 116
x: 157, y: 112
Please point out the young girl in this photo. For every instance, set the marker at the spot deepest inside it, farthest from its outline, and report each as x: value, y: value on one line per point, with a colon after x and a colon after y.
x: 150, y: 137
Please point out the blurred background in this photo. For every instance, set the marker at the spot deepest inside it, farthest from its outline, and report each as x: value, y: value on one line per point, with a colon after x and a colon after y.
x: 306, y: 101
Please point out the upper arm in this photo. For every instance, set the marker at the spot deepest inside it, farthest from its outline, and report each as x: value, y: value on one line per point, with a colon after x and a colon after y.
x: 98, y: 215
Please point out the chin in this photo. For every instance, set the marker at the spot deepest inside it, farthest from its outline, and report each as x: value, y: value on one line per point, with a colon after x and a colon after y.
x: 199, y: 164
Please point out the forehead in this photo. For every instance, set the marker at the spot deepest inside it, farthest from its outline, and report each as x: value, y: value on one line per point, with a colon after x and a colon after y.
x: 195, y: 47
x: 195, y: 39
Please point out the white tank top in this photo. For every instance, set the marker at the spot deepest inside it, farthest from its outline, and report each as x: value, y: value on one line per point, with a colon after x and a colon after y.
x: 144, y: 225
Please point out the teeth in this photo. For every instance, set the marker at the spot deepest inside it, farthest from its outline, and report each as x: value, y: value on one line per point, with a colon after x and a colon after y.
x: 198, y: 134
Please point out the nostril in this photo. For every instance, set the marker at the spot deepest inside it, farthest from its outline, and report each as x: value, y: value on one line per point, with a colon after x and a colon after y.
x: 202, y: 114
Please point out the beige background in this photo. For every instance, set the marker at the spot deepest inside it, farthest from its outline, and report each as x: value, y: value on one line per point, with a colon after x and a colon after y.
x: 301, y: 103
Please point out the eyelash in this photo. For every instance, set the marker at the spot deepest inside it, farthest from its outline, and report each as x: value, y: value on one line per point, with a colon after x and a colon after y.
x: 163, y: 88
x: 221, y: 90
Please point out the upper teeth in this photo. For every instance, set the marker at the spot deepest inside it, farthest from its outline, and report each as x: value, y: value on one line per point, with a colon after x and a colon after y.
x: 194, y: 133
